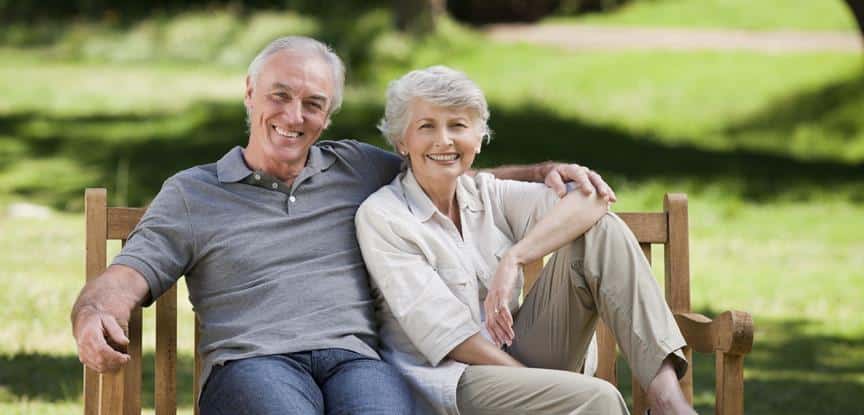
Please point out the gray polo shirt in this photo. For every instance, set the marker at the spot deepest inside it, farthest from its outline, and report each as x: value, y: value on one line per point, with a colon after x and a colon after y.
x: 271, y: 269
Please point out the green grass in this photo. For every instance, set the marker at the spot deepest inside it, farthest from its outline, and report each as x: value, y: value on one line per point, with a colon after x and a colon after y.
x: 770, y: 149
x: 796, y: 267
x: 805, y: 15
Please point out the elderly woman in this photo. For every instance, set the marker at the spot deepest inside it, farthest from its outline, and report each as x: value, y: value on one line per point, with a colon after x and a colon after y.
x: 444, y: 249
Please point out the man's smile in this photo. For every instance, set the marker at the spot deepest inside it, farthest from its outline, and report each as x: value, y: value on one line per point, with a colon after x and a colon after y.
x: 288, y: 134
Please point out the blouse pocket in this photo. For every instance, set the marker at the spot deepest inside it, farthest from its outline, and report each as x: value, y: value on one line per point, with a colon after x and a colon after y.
x: 461, y: 284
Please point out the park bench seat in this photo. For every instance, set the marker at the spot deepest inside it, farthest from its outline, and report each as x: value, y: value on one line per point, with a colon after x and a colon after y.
x: 729, y: 336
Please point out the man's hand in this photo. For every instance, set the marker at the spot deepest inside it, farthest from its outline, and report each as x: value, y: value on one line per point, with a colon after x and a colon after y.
x: 100, y: 341
x: 584, y: 179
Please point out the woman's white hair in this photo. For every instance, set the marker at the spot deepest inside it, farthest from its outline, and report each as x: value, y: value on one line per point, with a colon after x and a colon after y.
x: 439, y: 85
x: 305, y: 45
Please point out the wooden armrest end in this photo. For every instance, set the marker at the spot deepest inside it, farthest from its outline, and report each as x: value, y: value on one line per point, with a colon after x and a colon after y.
x: 731, y: 332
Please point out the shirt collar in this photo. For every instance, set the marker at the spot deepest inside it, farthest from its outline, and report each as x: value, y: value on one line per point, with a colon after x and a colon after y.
x: 421, y: 205
x: 320, y: 158
x: 232, y: 168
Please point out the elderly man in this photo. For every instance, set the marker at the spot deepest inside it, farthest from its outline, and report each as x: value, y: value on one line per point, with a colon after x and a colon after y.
x: 265, y: 237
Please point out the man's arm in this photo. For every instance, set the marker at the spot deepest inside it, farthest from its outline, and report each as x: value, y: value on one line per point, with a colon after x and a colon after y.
x: 100, y: 316
x: 555, y: 174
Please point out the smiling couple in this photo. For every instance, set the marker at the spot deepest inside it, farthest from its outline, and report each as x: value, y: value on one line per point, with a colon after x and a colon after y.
x: 292, y: 322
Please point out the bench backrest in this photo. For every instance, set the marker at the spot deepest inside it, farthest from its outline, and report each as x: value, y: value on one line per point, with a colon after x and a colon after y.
x: 120, y: 393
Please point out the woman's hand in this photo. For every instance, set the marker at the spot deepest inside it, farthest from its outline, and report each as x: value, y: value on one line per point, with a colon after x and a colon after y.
x: 499, y: 321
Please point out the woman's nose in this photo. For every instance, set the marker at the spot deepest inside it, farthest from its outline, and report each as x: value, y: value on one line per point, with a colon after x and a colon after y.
x: 443, y: 139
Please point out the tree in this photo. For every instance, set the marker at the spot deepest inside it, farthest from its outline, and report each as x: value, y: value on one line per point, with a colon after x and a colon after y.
x: 857, y: 7
x: 418, y: 16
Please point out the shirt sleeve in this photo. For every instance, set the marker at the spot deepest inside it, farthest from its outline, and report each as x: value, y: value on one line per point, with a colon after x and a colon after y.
x: 387, y: 164
x: 161, y: 246
x: 522, y: 204
x: 433, y: 318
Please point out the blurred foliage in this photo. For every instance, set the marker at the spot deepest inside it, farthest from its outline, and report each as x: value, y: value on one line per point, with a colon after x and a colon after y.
x: 124, y: 13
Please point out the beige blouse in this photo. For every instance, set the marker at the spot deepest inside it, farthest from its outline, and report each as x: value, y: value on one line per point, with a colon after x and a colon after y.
x: 429, y: 282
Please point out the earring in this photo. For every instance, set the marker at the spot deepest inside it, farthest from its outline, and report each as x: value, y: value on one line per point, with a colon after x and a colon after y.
x: 404, y: 153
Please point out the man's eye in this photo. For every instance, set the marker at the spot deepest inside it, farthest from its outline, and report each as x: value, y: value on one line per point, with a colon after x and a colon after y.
x: 426, y: 125
x: 460, y: 125
x: 280, y: 96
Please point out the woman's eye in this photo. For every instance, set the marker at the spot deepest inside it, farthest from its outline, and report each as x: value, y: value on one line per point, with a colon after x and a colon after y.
x: 422, y: 126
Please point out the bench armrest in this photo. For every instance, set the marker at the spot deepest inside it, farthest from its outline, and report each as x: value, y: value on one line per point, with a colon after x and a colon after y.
x: 731, y: 332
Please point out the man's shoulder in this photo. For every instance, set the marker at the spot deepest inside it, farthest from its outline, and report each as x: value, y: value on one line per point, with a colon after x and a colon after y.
x: 194, y: 177
x: 350, y: 147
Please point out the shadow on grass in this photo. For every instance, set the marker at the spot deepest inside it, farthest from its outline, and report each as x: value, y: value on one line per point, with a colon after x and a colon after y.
x: 52, y: 158
x: 826, y: 119
x: 52, y: 378
x: 790, y: 371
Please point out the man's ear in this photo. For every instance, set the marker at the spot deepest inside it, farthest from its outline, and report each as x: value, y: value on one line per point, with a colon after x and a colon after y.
x: 247, y: 97
x: 327, y: 123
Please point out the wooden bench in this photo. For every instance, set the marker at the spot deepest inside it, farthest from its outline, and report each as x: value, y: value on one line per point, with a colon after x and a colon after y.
x: 729, y: 336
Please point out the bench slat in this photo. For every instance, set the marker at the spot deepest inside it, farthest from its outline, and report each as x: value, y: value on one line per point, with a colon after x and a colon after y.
x: 166, y: 356
x: 122, y: 220
x: 95, y: 205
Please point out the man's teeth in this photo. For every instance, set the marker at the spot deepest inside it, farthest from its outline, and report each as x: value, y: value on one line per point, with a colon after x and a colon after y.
x: 289, y: 134
x: 443, y: 157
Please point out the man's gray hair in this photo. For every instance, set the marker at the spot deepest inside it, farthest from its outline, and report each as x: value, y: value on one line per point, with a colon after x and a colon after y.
x: 311, y: 46
x: 439, y: 85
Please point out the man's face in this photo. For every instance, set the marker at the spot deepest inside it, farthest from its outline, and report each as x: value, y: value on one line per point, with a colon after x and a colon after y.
x: 288, y: 106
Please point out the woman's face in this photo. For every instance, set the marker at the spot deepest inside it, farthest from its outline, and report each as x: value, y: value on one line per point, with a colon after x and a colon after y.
x: 440, y: 142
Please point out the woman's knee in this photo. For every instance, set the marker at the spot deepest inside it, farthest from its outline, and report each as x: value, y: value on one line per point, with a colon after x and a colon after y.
x: 605, y: 398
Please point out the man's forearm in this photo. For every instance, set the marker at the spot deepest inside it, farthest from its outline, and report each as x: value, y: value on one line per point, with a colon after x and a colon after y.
x: 116, y: 292
x: 526, y: 173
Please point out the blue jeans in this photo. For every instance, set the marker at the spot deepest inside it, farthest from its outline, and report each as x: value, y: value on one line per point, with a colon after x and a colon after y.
x: 327, y: 381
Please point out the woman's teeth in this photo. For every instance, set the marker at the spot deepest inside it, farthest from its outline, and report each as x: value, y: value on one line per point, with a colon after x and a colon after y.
x: 443, y: 157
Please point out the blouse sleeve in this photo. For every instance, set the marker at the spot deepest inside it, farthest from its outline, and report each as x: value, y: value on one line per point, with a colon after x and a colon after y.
x: 522, y: 204
x: 433, y: 318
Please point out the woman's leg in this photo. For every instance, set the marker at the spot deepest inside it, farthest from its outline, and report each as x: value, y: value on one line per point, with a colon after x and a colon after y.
x: 503, y: 390
x: 604, y: 272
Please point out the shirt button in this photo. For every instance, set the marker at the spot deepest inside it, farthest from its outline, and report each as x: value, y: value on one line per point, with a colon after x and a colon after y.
x: 275, y: 185
x: 292, y: 199
x: 257, y: 177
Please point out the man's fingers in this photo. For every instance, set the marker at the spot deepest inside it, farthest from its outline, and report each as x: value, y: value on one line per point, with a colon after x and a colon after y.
x: 114, y: 331
x: 554, y: 181
x: 602, y: 187
x: 99, y: 356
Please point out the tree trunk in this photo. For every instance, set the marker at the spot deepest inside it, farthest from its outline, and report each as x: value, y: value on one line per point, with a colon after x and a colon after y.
x: 418, y: 16
x: 857, y: 7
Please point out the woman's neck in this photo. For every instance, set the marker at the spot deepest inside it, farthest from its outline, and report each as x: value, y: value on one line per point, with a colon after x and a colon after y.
x: 443, y: 196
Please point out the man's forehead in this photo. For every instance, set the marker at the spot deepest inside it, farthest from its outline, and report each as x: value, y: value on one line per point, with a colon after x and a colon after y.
x: 290, y: 65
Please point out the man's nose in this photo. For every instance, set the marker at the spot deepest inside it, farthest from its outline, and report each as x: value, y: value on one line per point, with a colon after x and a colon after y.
x: 293, y: 112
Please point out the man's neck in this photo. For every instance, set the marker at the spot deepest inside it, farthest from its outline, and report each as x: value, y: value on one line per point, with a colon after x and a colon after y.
x: 285, y: 172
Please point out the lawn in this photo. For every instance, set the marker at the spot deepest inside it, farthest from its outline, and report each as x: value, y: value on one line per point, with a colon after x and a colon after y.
x: 807, y: 15
x: 769, y: 148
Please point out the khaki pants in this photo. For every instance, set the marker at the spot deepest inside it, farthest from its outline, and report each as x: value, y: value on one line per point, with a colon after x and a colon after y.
x: 602, y: 273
